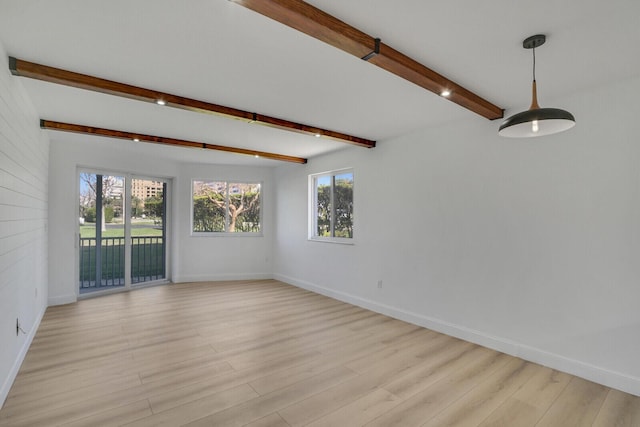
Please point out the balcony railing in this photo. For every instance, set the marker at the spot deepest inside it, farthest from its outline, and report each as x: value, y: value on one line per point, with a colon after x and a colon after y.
x: 147, y: 258
x: 147, y: 261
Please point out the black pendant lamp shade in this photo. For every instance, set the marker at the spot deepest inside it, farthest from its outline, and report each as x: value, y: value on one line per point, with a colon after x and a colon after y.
x: 546, y: 120
x: 536, y: 121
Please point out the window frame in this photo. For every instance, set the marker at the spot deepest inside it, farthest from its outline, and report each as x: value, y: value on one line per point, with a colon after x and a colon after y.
x: 313, y: 207
x: 226, y: 233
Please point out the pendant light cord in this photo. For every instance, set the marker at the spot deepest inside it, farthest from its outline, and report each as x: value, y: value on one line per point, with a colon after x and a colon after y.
x: 534, y: 64
x: 534, y: 90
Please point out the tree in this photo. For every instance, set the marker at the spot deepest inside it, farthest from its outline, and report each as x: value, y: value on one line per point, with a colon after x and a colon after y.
x: 212, y: 206
x: 343, y: 198
x: 108, y: 214
x: 245, y: 201
x: 154, y: 206
x: 136, y: 206
x: 111, y: 190
x: 342, y: 211
x: 323, y: 220
x: 90, y: 214
x: 208, y: 216
x: 244, y: 205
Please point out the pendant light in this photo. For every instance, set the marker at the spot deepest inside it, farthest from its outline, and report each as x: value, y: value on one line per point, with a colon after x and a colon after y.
x: 536, y: 121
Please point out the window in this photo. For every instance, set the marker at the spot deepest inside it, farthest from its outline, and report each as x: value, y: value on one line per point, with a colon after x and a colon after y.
x: 331, y: 206
x: 226, y: 207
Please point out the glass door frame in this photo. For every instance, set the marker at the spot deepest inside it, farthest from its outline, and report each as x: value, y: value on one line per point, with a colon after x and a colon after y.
x: 165, y: 234
x: 126, y: 208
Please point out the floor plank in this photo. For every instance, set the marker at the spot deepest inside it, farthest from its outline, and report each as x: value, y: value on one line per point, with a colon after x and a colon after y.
x: 619, y: 410
x: 199, y: 408
x: 529, y: 403
x: 361, y: 411
x: 420, y: 408
x: 113, y: 418
x: 577, y: 405
x: 262, y: 353
x: 273, y: 420
x: 486, y: 397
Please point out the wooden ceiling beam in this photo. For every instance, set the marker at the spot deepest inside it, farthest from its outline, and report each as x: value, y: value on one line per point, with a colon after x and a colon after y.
x: 411, y: 70
x: 131, y: 136
x: 316, y: 23
x: 32, y: 70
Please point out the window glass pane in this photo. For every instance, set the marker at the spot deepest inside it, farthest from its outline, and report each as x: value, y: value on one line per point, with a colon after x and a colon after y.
x: 231, y: 207
x: 209, y: 206
x: 244, y: 208
x: 323, y: 205
x: 148, y: 230
x: 101, y: 253
x: 331, y: 200
x: 343, y: 200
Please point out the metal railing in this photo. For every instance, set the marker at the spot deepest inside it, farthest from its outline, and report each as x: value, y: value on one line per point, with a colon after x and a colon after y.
x: 147, y: 261
x: 147, y: 258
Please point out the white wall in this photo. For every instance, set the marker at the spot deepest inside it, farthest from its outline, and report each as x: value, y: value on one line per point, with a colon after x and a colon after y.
x: 224, y: 257
x: 65, y: 158
x: 531, y: 247
x: 191, y: 258
x: 24, y: 159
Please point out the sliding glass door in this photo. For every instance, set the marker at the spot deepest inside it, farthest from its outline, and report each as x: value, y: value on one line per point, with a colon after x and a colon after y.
x: 148, y: 230
x: 122, y: 231
x: 101, y: 232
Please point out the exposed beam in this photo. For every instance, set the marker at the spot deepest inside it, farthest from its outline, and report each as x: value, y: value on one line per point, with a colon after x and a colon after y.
x: 322, y: 26
x: 88, y: 130
x: 32, y: 70
x: 411, y: 70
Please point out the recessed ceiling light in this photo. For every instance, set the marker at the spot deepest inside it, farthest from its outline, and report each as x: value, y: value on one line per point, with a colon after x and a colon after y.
x: 136, y: 140
x: 256, y: 156
x: 161, y: 102
x: 445, y: 93
x: 317, y: 135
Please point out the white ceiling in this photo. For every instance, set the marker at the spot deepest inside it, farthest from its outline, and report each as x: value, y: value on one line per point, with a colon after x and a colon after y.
x: 218, y: 51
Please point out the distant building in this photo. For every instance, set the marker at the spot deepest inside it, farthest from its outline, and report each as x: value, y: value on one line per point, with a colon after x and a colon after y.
x: 143, y: 189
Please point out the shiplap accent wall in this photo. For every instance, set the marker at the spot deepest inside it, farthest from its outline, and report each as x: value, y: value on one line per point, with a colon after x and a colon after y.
x: 24, y: 167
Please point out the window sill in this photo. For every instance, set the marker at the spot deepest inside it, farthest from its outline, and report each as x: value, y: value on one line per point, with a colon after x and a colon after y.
x: 225, y: 234
x: 338, y: 241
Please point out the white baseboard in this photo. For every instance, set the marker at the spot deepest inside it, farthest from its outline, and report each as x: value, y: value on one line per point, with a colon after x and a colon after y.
x: 597, y: 374
x: 221, y: 277
x: 617, y: 380
x: 62, y: 299
x: 4, y: 391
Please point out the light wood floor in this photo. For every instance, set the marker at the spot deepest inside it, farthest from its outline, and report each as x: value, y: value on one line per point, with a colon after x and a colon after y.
x: 263, y: 353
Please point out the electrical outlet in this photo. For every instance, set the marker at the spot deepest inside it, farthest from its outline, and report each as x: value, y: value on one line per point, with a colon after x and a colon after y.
x: 379, y: 284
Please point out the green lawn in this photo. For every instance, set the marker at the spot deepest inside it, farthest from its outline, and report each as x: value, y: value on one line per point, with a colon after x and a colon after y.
x: 147, y: 257
x: 89, y: 230
x: 146, y: 260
